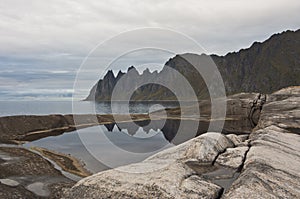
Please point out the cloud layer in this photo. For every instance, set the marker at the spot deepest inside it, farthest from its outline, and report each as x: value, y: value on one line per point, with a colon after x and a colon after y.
x: 57, y: 35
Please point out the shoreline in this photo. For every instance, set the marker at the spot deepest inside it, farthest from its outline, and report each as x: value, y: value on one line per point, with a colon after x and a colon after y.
x: 25, y: 128
x: 67, y: 162
x: 22, y: 169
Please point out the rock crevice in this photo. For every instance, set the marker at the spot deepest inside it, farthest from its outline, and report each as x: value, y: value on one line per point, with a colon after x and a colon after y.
x: 271, y: 167
x: 255, y: 108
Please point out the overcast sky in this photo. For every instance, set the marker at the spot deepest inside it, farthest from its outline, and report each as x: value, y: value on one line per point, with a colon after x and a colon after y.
x: 48, y: 40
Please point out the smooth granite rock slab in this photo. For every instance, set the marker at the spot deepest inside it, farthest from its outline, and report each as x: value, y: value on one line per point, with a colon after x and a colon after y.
x: 232, y: 157
x: 172, y: 178
x: 272, y: 166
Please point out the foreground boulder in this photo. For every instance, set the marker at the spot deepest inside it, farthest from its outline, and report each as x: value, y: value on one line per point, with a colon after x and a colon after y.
x: 164, y: 175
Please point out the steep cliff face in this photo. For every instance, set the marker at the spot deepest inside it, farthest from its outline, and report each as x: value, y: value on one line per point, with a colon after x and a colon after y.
x: 264, y: 67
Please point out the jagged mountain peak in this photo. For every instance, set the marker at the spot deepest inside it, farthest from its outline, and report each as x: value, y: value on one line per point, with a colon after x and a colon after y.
x: 120, y: 74
x: 146, y: 71
x: 131, y: 68
x: 264, y: 67
x: 109, y: 75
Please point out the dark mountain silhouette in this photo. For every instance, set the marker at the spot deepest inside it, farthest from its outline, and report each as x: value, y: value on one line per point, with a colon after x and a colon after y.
x: 264, y: 67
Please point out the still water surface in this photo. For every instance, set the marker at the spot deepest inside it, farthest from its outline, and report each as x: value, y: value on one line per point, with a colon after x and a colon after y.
x: 65, y: 107
x: 103, y: 144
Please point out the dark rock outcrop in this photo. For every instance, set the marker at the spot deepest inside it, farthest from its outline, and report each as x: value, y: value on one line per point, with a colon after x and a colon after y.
x: 256, y: 107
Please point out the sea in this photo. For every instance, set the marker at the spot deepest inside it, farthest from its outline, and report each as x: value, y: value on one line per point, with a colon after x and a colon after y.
x: 9, y: 108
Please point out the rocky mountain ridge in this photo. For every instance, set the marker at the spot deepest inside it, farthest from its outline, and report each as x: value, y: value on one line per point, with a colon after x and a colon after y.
x: 264, y: 67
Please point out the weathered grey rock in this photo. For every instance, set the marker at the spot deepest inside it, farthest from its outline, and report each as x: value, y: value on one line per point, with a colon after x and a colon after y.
x: 207, y: 147
x: 203, y: 148
x: 174, y: 181
x: 198, y: 188
x: 245, y: 143
x: 235, y: 139
x: 9, y: 182
x: 282, y: 109
x: 243, y: 138
x: 38, y: 188
x: 232, y: 157
x: 164, y: 175
x: 277, y: 148
x: 272, y: 166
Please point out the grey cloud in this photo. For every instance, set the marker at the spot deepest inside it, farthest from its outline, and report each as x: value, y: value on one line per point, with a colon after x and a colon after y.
x: 76, y: 26
x: 57, y: 35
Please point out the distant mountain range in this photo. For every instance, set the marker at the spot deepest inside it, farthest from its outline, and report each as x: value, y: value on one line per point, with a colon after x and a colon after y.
x: 264, y: 67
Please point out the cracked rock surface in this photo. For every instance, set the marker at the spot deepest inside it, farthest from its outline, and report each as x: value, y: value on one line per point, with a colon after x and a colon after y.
x: 232, y: 157
x: 272, y: 166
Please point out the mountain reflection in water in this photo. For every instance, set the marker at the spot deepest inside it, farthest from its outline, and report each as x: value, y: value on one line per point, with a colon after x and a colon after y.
x: 178, y: 131
x: 140, y: 139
